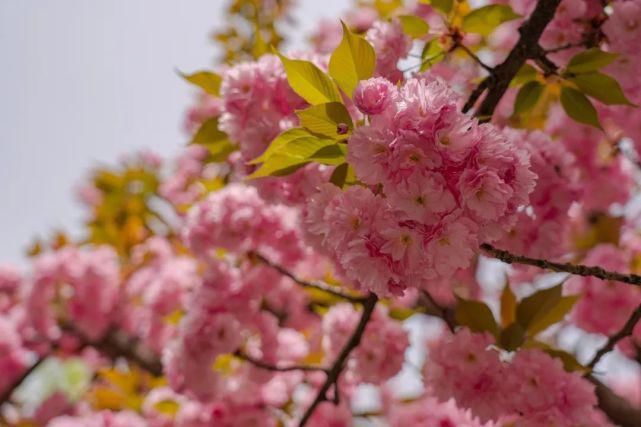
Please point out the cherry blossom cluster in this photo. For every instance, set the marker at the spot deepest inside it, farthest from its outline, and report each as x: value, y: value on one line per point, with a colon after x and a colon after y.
x: 532, y: 386
x: 439, y: 184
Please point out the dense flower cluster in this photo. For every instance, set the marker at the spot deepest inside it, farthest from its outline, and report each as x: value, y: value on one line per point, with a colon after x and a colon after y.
x: 542, y: 228
x: 532, y: 386
x: 258, y: 104
x: 440, y: 184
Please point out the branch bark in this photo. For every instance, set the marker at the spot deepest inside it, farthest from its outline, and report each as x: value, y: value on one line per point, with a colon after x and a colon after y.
x: 527, y: 47
x: 335, y: 371
x: 625, y: 331
x: 577, y: 269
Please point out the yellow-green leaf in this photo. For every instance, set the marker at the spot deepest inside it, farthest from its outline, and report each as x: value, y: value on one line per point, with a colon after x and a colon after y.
x: 308, y: 81
x: 508, y: 305
x: 414, y: 26
x: 352, y: 61
x: 579, y: 107
x: 326, y: 119
x: 330, y: 155
x: 339, y: 176
x: 206, y: 80
x: 432, y: 53
x: 476, y: 315
x: 526, y: 73
x: 443, y: 6
x: 279, y: 165
x: 528, y: 96
x: 554, y: 315
x: 570, y: 363
x: 590, y: 60
x: 602, y: 87
x: 532, y: 312
x: 485, y: 19
x: 214, y: 140
x: 512, y: 337
x: 280, y: 141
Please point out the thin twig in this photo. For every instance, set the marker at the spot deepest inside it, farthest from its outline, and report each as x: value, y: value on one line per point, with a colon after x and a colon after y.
x: 474, y: 57
x: 270, y: 367
x: 625, y: 331
x: 8, y: 392
x: 445, y: 313
x: 577, y: 269
x: 337, y: 367
x: 306, y: 284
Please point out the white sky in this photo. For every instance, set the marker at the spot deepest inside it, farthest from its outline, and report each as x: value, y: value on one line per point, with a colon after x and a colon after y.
x: 83, y: 82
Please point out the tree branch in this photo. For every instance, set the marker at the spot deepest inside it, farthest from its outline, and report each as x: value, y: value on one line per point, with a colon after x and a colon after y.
x: 625, y: 331
x: 577, y: 269
x: 334, y: 372
x: 527, y: 47
x: 274, y: 368
x: 6, y: 395
x: 312, y: 285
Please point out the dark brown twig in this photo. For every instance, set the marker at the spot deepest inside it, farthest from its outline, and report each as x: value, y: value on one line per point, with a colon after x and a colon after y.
x: 576, y: 269
x: 527, y: 47
x: 8, y: 392
x: 274, y: 368
x: 306, y: 284
x: 625, y: 331
x: 334, y: 372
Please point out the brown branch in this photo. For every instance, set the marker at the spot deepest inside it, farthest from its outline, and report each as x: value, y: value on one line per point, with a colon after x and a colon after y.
x: 625, y: 331
x: 8, y: 392
x: 576, y: 269
x: 474, y: 57
x: 269, y: 367
x: 306, y: 284
x: 115, y: 344
x: 527, y: 47
x: 334, y: 372
x: 614, y: 406
x: 444, y: 313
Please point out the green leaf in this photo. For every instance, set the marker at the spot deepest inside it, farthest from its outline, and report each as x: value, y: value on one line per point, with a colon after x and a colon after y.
x: 590, y: 60
x: 291, y: 153
x: 206, y: 80
x: 307, y: 80
x: 414, y: 26
x: 512, y: 337
x: 570, y: 363
x: 528, y: 96
x: 432, y: 53
x: 214, y: 140
x: 484, y: 20
x: 602, y: 87
x: 279, y: 165
x: 525, y: 74
x: 533, y: 309
x: 401, y: 313
x: 579, y: 107
x: 352, y: 61
x: 280, y: 141
x: 443, y: 6
x: 324, y: 119
x: 339, y: 176
x: 330, y: 155
x: 553, y: 315
x: 476, y: 315
x: 508, y: 305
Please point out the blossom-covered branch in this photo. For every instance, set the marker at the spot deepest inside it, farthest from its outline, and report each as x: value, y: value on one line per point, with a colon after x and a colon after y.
x: 274, y: 368
x: 334, y: 372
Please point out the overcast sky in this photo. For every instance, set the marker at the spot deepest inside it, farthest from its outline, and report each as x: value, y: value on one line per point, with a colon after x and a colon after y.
x: 83, y: 82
